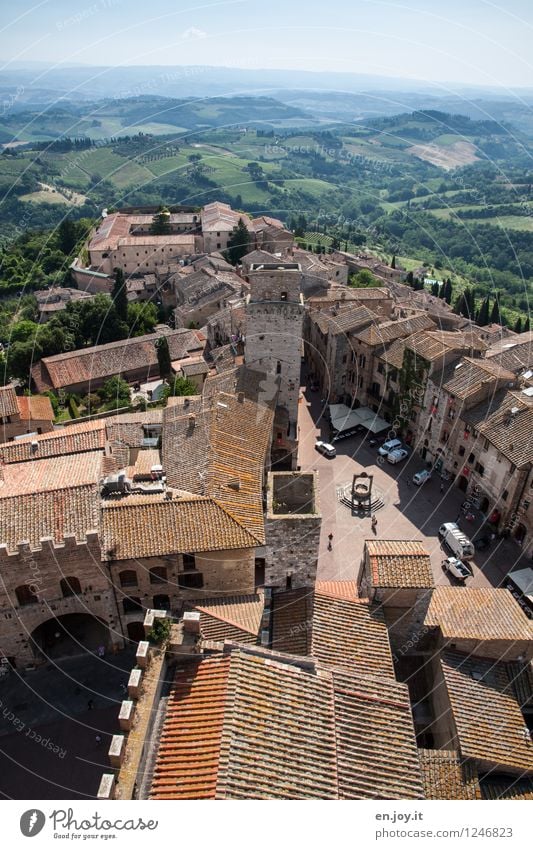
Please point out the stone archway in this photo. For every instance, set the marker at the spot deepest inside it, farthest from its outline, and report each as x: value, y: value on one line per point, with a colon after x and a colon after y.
x: 69, y: 635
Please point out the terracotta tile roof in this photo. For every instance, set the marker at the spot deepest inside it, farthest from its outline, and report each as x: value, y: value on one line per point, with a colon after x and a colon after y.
x: 130, y: 428
x: 142, y: 462
x: 54, y: 514
x: 220, y: 216
x: 345, y: 319
x: 489, y: 723
x: 338, y: 589
x: 75, y: 439
x: 35, y: 408
x: 507, y: 789
x: 292, y: 617
x: 515, y: 354
x: 465, y: 378
x: 221, y: 453
x: 478, y: 613
x: 149, y: 525
x: 103, y: 361
x: 381, y: 334
x: 448, y: 776
x: 50, y: 474
x: 8, y: 401
x: 341, y: 293
x: 235, y: 618
x: 350, y: 634
x: 189, y: 749
x: 375, y: 745
x: 255, y: 724
x: 399, y: 563
x: 508, y: 425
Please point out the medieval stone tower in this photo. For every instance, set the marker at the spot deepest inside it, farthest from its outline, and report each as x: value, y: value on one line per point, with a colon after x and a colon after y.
x: 274, y: 319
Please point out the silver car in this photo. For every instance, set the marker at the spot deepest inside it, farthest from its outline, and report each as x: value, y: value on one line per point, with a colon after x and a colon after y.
x: 457, y: 568
x: 325, y: 448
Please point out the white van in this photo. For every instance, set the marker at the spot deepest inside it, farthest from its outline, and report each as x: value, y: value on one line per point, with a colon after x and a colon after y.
x: 452, y: 536
x: 389, y: 446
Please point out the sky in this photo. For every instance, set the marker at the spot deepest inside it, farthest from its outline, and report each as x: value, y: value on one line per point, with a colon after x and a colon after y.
x: 476, y: 42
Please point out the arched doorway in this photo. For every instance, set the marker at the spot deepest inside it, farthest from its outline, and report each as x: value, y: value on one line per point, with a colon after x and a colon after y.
x: 68, y: 635
x: 136, y: 631
x: 520, y: 533
x: 462, y: 483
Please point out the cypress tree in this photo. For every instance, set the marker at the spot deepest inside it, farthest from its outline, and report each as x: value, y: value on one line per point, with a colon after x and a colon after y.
x: 163, y: 356
x: 495, y: 316
x: 119, y: 295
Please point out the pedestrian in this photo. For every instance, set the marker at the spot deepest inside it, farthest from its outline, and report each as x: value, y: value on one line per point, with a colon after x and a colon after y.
x: 330, y: 542
x: 90, y: 704
x: 374, y: 524
x: 442, y: 487
x: 98, y: 739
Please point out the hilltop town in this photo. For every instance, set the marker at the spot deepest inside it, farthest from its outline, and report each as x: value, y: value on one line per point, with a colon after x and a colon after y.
x: 310, y: 517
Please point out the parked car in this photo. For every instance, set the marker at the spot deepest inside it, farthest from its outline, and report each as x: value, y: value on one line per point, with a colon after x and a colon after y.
x: 456, y: 541
x: 389, y: 446
x: 397, y: 455
x: 457, y: 568
x: 325, y: 448
x: 421, y: 477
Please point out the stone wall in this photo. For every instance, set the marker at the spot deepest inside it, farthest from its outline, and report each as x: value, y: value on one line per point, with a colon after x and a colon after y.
x: 42, y: 570
x: 292, y: 538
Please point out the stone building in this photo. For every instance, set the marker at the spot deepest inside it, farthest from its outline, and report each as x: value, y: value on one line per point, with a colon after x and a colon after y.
x: 274, y: 326
x: 21, y: 414
x: 292, y: 530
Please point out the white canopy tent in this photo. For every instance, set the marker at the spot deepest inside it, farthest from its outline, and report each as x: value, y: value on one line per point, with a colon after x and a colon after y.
x: 345, y: 418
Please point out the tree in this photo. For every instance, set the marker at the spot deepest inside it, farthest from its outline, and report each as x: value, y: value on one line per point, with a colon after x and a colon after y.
x: 447, y: 291
x: 483, y: 313
x: 115, y: 392
x: 142, y: 318
x: 67, y: 236
x: 163, y: 357
x: 495, y: 316
x: 393, y: 261
x: 160, y: 225
x: 119, y: 295
x: 181, y: 386
x: 526, y: 326
x: 518, y: 325
x: 364, y: 279
x: 409, y: 279
x: 435, y: 286
x: 464, y: 304
x: 238, y: 243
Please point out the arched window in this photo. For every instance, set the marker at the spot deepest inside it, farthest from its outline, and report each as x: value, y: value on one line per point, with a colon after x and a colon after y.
x: 128, y: 578
x: 158, y: 575
x: 131, y: 605
x: 161, y: 602
x: 25, y: 595
x: 70, y: 586
x: 278, y: 368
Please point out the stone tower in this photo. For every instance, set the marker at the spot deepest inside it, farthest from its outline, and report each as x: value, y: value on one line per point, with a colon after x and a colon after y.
x: 274, y: 319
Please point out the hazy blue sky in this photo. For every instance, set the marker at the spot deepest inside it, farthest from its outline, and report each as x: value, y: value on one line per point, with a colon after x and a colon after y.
x: 472, y: 41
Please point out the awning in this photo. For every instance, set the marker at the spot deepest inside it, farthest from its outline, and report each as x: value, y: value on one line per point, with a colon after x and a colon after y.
x: 346, y: 418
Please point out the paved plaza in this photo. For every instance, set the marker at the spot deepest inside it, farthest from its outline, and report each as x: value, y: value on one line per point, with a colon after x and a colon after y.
x: 409, y: 511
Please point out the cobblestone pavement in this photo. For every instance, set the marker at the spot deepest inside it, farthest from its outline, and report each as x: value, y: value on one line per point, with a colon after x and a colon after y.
x: 409, y: 512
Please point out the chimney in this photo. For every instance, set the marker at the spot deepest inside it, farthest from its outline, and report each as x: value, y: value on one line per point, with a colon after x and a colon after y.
x: 240, y: 397
x: 191, y: 622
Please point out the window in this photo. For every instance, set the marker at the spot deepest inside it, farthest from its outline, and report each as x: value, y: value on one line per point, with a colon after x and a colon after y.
x: 189, y: 562
x: 461, y: 451
x: 345, y: 358
x: 283, y: 296
x: 278, y: 367
x: 25, y: 595
x: 70, y: 586
x: 471, y: 458
x: 128, y: 578
x: 158, y: 575
x: 362, y: 360
x: 161, y: 602
x: 191, y: 581
x: 480, y: 469
x: 131, y: 604
x: 380, y: 368
x: 486, y: 445
x: 505, y: 495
